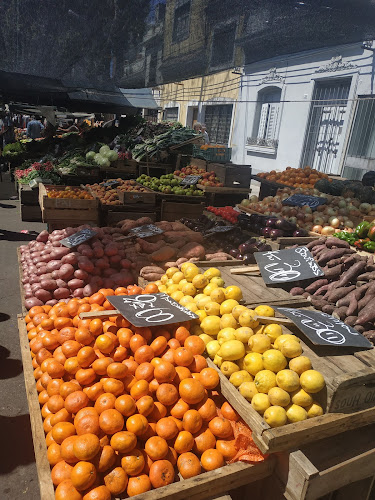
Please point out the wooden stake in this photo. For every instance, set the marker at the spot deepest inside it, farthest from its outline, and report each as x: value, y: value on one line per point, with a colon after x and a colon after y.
x: 266, y: 320
x: 244, y: 270
x: 100, y: 314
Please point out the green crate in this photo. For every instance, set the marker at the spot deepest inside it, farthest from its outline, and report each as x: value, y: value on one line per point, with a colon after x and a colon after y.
x: 218, y: 155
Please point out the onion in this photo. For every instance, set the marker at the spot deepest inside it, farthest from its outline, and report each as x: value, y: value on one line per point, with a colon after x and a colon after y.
x: 328, y: 231
x: 317, y: 229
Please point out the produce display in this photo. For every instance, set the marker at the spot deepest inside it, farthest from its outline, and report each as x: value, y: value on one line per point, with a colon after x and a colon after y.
x: 270, y: 227
x: 228, y: 213
x: 267, y: 366
x: 234, y: 243
x: 347, y: 189
x: 337, y: 214
x: 208, y: 178
x: 347, y: 290
x: 73, y: 161
x: 32, y: 170
x: 69, y: 192
x: 104, y: 158
x: 168, y: 184
x: 108, y: 195
x: 363, y: 236
x: 295, y: 177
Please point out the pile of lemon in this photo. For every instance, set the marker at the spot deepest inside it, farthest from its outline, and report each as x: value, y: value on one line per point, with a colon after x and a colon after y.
x: 266, y: 366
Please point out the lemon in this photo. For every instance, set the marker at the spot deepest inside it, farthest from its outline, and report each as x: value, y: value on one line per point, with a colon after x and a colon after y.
x: 239, y: 362
x: 177, y: 296
x: 185, y: 265
x: 164, y: 279
x: 301, y: 398
x: 247, y: 318
x: 206, y: 338
x: 278, y: 397
x: 283, y: 338
x: 209, y: 288
x: 219, y: 281
x: 212, y: 347
x: 189, y: 289
x: 248, y: 390
x: 274, y: 360
x: 211, y: 308
x: 192, y: 307
x: 228, y: 367
x: 190, y: 272
x: 273, y: 331
x: 171, y: 271
x: 169, y: 282
x: 237, y: 378
x: 218, y: 361
x: 259, y: 343
x: 265, y: 311
x: 259, y: 329
x: 212, y: 272
x: 157, y: 283
x: 233, y: 292
x: 201, y: 315
x: 296, y: 413
x: 171, y: 289
x: 253, y: 363
x: 291, y: 349
x: 314, y: 410
x: 237, y: 310
x: 197, y: 330
x: 300, y: 364
x: 227, y: 321
x: 265, y: 380
x: 227, y: 306
x: 186, y: 299
x: 200, y: 281
x: 211, y: 325
x: 243, y: 334
x: 287, y: 380
x: 232, y: 350
x: 226, y: 334
x: 217, y: 295
x: 275, y: 416
x: 312, y: 381
x: 182, y: 283
x: 202, y: 301
x: 199, y: 296
x: 177, y: 277
x: 260, y: 402
x: 162, y: 288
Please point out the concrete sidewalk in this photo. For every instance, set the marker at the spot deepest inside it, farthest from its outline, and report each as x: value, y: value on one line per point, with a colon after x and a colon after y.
x: 18, y: 475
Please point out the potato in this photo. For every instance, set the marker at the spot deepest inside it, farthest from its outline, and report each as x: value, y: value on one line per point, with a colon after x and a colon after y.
x: 81, y: 275
x: 61, y: 293
x: 43, y: 295
x: 70, y: 258
x: 53, y: 265
x: 32, y: 301
x: 66, y: 271
x: 48, y: 284
x: 76, y: 283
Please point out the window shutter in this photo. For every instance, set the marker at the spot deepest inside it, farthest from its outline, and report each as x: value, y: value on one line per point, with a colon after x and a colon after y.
x: 272, y: 121
x: 263, y: 121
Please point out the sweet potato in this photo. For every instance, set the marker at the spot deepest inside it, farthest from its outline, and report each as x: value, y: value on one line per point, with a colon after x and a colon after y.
x: 367, y: 276
x: 315, y: 243
x: 169, y: 264
x: 163, y: 254
x: 178, y: 226
x: 334, y: 262
x: 317, y: 302
x: 350, y: 320
x: 316, y: 285
x: 333, y: 254
x: 367, y: 314
x: 192, y: 250
x: 171, y: 236
x: 328, y: 309
x: 339, y: 292
x: 147, y: 247
x: 370, y: 335
x: 340, y: 312
x: 333, y: 273
x: 351, y: 274
x: 151, y: 269
x: 296, y: 291
x: 336, y: 242
x: 365, y: 300
x: 165, y: 225
x: 321, y: 291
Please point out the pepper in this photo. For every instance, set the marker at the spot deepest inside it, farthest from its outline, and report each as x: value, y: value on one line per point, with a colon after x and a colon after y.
x: 369, y: 246
x: 360, y: 243
x: 371, y: 232
x: 362, y: 229
x: 351, y: 238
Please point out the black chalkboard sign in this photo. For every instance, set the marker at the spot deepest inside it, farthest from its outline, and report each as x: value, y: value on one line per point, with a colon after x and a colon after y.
x: 323, y: 329
x: 110, y: 183
x: 283, y: 266
x: 300, y: 200
x: 219, y: 229
x: 190, y: 180
x: 146, y: 231
x: 78, y: 238
x: 151, y: 310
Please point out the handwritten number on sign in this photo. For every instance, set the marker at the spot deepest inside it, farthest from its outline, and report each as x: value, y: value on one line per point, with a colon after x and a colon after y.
x: 151, y: 314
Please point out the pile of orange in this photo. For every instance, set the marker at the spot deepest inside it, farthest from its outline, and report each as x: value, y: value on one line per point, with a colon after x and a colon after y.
x: 70, y: 192
x: 124, y: 408
x: 295, y: 177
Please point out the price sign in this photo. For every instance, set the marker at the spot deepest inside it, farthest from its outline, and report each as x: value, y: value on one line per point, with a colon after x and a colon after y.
x: 78, y: 238
x: 219, y: 229
x: 301, y: 200
x: 151, y: 310
x: 146, y: 231
x: 110, y: 183
x: 190, y: 180
x: 323, y: 329
x: 283, y: 266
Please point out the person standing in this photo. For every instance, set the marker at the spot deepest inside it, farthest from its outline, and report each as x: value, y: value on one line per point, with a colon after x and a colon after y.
x: 205, y: 134
x: 34, y: 128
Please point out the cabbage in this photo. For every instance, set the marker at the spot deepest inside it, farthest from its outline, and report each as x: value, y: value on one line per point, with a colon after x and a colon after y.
x: 103, y: 150
x: 97, y: 158
x: 112, y: 156
x: 103, y: 161
x: 90, y: 155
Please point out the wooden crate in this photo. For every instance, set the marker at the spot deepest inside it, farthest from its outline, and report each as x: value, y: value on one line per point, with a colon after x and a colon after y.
x: 137, y: 197
x: 31, y: 213
x: 27, y: 195
x: 121, y: 167
x: 234, y: 176
x: 204, y: 486
x: 69, y: 209
x: 171, y: 211
x: 62, y: 224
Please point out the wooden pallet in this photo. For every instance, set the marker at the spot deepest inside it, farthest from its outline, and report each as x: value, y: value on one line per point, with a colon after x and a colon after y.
x: 204, y: 486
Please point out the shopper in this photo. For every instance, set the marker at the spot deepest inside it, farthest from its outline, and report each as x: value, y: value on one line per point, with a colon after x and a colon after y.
x: 205, y: 134
x: 34, y: 128
x: 7, y: 130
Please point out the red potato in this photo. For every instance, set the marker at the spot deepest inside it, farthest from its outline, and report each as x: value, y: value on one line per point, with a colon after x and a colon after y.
x: 76, y: 283
x: 126, y: 264
x: 53, y: 265
x: 85, y: 264
x: 78, y: 292
x: 33, y: 301
x: 111, y: 249
x: 90, y: 290
x: 98, y: 251
x: 81, y: 275
x: 70, y: 258
x: 48, y: 284
x: 43, y: 295
x: 66, y: 271
x: 61, y: 293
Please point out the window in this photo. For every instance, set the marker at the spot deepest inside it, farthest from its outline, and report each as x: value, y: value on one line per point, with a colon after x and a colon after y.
x: 171, y: 114
x: 266, y: 119
x: 218, y: 120
x: 362, y: 141
x: 181, y: 20
x: 223, y: 45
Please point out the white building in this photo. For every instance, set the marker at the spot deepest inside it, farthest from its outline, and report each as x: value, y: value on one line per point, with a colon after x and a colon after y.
x: 309, y: 108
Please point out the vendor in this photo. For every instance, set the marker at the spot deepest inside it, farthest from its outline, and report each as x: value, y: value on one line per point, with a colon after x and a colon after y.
x: 34, y: 128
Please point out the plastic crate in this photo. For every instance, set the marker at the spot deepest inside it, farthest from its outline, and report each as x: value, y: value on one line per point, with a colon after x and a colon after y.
x: 219, y: 154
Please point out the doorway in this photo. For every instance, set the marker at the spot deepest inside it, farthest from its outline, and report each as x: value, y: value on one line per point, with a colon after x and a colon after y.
x: 192, y: 116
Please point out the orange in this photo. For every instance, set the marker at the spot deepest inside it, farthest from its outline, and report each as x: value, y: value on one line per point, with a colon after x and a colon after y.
x: 227, y: 448
x: 60, y: 472
x: 98, y: 493
x: 117, y: 370
x: 156, y: 448
x: 104, y: 343
x: 192, y: 421
x: 116, y: 481
x: 166, y: 428
x: 220, y: 427
x: 125, y: 404
x: 113, y: 385
x: 100, y: 365
x: 94, y: 391
x: 159, y: 345
x: 105, y: 459
x: 198, y: 364
x: 123, y: 441
x: 212, y: 459
x: 143, y: 354
x: 183, y: 357
x: 54, y: 454
x: 85, y: 356
x: 181, y: 334
x: 167, y: 394
x: 136, y: 341
x: 62, y: 430
x: 138, y: 485
x: 204, y: 441
x: 161, y: 473
x: 228, y: 412
x: 188, y: 465
x: 67, y: 451
x: 191, y: 391
x: 179, y: 409
x: 164, y: 372
x: 85, y: 376
x: 105, y: 401
x: 133, y: 462
x: 137, y: 424
x: 145, y: 405
x: 145, y: 371
x: 86, y: 446
x: 66, y: 491
x: 209, y: 378
x: 83, y: 475
x: 184, y: 442
x: 111, y: 421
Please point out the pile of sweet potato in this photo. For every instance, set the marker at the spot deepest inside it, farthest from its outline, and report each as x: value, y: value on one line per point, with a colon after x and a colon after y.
x: 347, y: 290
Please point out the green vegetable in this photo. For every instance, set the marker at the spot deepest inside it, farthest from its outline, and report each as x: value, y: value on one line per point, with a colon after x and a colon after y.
x: 362, y: 229
x: 369, y: 246
x: 351, y: 238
